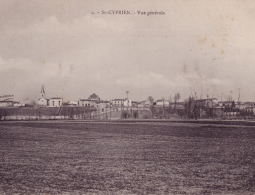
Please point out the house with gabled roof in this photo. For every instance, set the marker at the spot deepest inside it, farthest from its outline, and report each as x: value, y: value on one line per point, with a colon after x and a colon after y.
x: 146, y: 103
x: 94, y: 97
x: 90, y: 102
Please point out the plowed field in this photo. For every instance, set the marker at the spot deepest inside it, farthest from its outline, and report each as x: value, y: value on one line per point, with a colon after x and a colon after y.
x: 116, y: 158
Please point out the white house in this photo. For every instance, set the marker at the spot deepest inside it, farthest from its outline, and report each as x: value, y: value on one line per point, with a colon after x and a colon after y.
x: 117, y: 102
x: 42, y: 102
x: 127, y: 102
x: 121, y: 102
x: 6, y: 103
x: 7, y: 100
x: 55, y: 102
x: 18, y: 104
x: 86, y: 103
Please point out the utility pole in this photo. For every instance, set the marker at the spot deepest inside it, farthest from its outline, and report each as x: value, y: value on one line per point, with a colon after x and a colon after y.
x: 163, y: 107
x: 191, y: 93
x: 222, y: 104
x: 239, y: 98
x: 212, y: 105
x: 201, y: 95
x: 207, y: 104
x: 231, y: 103
x: 106, y: 111
x: 127, y: 102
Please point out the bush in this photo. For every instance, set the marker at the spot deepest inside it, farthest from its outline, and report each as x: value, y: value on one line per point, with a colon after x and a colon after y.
x: 124, y: 115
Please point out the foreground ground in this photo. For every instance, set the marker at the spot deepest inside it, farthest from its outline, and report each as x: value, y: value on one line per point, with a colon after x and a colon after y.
x: 126, y: 158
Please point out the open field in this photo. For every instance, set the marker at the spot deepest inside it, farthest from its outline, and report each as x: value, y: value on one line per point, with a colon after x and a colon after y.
x: 126, y: 158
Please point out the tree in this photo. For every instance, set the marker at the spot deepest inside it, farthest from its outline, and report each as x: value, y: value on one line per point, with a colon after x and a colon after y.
x: 170, y: 105
x: 33, y: 103
x: 177, y: 96
x: 233, y: 105
x: 150, y: 98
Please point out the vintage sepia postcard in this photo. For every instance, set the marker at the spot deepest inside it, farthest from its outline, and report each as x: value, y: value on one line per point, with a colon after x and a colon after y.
x: 127, y: 97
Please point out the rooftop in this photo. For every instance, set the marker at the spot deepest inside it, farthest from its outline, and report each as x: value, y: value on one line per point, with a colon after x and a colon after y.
x: 55, y: 98
x: 93, y: 96
x: 88, y: 100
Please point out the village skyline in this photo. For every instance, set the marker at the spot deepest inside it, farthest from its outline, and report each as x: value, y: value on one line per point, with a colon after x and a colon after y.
x: 177, y: 97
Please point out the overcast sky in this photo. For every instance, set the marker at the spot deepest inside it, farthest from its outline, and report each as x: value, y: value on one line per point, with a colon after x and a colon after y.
x: 208, y: 45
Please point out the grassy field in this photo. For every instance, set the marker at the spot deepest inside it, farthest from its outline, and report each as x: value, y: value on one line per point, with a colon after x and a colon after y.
x: 121, y: 158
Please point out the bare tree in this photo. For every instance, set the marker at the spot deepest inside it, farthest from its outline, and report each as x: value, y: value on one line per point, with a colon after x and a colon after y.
x: 177, y: 97
x: 150, y: 98
x: 33, y: 103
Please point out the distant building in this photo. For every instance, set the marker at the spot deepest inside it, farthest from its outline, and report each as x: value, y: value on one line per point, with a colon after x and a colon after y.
x: 102, y: 106
x: 70, y: 103
x: 117, y: 102
x: 210, y: 102
x: 86, y: 103
x: 244, y: 105
x: 146, y: 103
x: 55, y: 102
x: 161, y: 102
x: 7, y: 100
x: 94, y: 97
x: 127, y: 102
x: 7, y: 103
x: 42, y: 101
x: 90, y: 102
x: 18, y: 104
x: 177, y: 105
x: 121, y: 102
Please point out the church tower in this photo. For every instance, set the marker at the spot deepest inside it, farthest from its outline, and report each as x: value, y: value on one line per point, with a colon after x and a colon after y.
x: 42, y: 92
x: 42, y: 101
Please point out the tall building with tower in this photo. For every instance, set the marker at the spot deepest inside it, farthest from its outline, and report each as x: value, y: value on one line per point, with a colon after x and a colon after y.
x: 42, y: 101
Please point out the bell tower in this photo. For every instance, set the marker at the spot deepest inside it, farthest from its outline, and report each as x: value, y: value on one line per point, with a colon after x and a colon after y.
x: 42, y: 92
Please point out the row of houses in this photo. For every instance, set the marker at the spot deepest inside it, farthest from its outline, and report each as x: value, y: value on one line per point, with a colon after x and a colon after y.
x: 92, y: 101
x: 7, y: 101
x: 209, y: 102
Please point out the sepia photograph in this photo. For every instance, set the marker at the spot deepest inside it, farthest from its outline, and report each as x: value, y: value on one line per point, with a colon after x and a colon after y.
x: 122, y: 97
